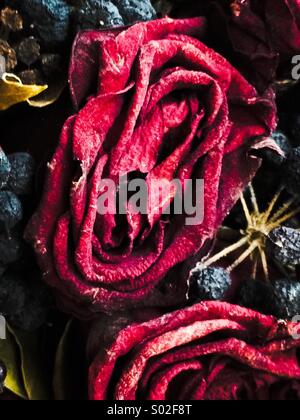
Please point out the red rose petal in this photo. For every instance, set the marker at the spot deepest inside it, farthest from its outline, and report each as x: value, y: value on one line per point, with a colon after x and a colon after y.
x: 167, y: 107
x: 186, y: 347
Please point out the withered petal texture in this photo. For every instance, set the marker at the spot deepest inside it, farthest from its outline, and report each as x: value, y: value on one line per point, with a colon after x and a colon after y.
x: 260, y: 37
x: 210, y: 351
x: 154, y: 101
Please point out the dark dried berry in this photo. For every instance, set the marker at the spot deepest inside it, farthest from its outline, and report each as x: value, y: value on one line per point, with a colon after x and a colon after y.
x: 284, y: 245
x: 31, y: 77
x: 291, y: 172
x: 51, y: 64
x: 135, y: 10
x: 28, y: 51
x: 13, y: 293
x: 4, y: 169
x: 9, y: 54
x: 10, y: 248
x: 209, y: 283
x: 97, y: 14
x: 283, y: 142
x: 21, y: 174
x: 12, y: 19
x: 286, y: 299
x: 280, y: 299
x: 11, y: 211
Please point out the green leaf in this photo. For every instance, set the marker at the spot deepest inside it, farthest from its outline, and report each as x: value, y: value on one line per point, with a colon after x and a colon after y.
x: 31, y: 366
x: 21, y: 355
x: 9, y: 353
x: 13, y: 91
x: 60, y: 379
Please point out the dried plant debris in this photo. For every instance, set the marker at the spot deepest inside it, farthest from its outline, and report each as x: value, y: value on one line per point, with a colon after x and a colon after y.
x: 36, y: 38
x: 22, y: 54
x: 254, y: 238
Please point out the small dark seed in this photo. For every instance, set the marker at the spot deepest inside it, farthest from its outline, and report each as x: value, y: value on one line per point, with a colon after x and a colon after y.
x: 31, y: 77
x: 28, y: 51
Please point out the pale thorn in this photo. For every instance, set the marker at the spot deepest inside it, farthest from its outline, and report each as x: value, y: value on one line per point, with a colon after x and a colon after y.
x: 285, y: 218
x: 281, y: 211
x: 246, y: 210
x: 254, y: 199
x: 225, y: 252
x: 272, y: 204
x: 255, y: 266
x: 264, y: 263
x: 244, y: 256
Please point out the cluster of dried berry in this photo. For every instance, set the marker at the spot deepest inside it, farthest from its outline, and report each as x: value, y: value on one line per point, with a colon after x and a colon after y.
x: 35, y: 34
x: 22, y: 301
x: 280, y: 298
x: 23, y: 51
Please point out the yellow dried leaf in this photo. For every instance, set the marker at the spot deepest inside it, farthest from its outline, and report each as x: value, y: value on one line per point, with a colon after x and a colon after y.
x: 51, y: 95
x: 13, y: 91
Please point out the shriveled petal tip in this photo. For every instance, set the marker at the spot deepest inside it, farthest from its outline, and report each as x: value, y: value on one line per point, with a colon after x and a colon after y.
x: 88, y: 45
x: 85, y: 60
x: 225, y: 351
x: 258, y: 37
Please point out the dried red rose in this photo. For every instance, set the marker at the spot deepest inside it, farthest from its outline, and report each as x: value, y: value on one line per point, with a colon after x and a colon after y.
x: 165, y: 106
x: 257, y: 36
x: 210, y: 351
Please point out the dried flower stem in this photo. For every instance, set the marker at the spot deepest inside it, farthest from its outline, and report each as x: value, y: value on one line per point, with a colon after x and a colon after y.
x: 244, y: 256
x: 260, y: 224
x: 225, y: 252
